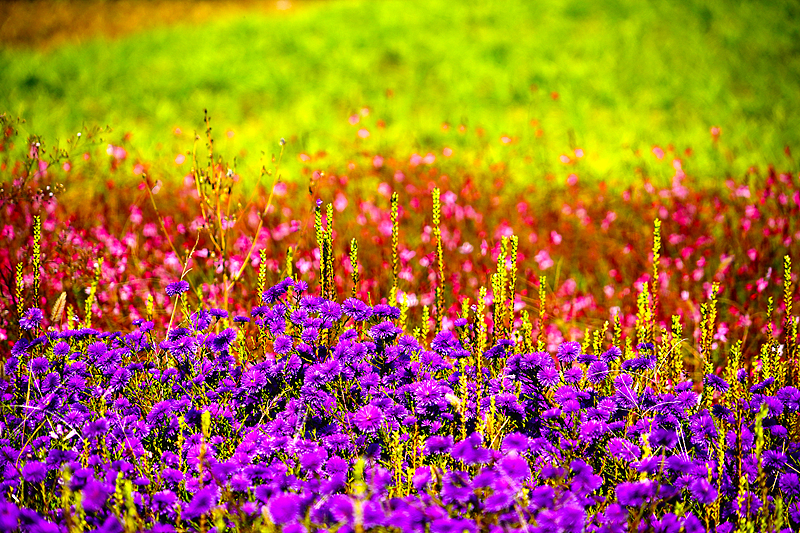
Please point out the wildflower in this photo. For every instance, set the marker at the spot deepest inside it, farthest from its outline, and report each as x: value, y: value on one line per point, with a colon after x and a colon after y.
x: 437, y: 444
x: 39, y: 365
x: 385, y: 331
x: 470, y: 450
x: 330, y: 310
x: 386, y: 311
x: 34, y: 472
x: 177, y: 288
x: 597, y: 372
x: 223, y: 340
x: 573, y: 375
x: 368, y: 419
x: 789, y: 484
x: 202, y: 502
x: 611, y: 355
x: 568, y: 352
x: 703, y: 491
x: 549, y: 377
x: 585, y: 480
x: 283, y: 344
x: 635, y: 494
x: 310, y: 335
x: 667, y: 438
x: 274, y: 293
x: 623, y: 449
x: 456, y: 487
x: 356, y: 309
x: 284, y: 508
x: 31, y: 318
x: 515, y: 443
x: 515, y: 467
x: 716, y: 383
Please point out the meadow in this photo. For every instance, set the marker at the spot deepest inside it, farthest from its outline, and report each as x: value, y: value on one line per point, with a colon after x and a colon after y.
x: 468, y: 304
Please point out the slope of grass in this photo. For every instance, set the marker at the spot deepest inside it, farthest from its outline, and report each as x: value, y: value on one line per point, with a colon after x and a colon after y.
x: 612, y: 77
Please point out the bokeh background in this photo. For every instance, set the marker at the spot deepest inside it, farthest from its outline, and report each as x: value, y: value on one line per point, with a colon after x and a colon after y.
x: 525, y: 83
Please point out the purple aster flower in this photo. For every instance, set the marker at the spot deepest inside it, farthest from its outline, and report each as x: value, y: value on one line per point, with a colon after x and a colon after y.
x: 177, y: 288
x: 34, y: 472
x: 789, y: 484
x: 438, y: 444
x: 253, y: 380
x: 310, y: 335
x: 456, y: 487
x: 573, y: 375
x: 331, y: 310
x: 667, y: 438
x: 515, y: 443
x: 428, y: 393
x: 385, y: 331
x: 515, y: 467
x: 284, y: 508
x: 61, y: 349
x: 386, y: 311
x: 39, y: 365
x: 223, y: 340
x: 568, y: 351
x: 300, y: 286
x: 460, y: 322
x: 611, y: 355
x: 761, y: 387
x: 585, y: 481
x: 623, y: 449
x: 703, y: 491
x: 549, y: 377
x: 587, y: 358
x: 283, y: 344
x: 470, y: 450
x: 716, y: 383
x: 120, y: 378
x: 597, y: 372
x: 20, y: 347
x: 635, y: 494
x: 368, y: 419
x: 31, y: 318
x: 241, y: 319
x: 202, y: 502
x: 95, y: 495
x: 356, y: 309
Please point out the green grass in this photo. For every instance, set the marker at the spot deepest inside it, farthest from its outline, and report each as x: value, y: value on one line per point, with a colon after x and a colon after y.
x: 629, y: 75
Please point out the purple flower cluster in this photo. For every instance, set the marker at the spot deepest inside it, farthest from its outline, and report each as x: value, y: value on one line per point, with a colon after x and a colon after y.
x: 346, y: 420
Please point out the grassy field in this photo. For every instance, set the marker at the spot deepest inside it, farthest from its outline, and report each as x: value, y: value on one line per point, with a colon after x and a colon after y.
x: 614, y: 78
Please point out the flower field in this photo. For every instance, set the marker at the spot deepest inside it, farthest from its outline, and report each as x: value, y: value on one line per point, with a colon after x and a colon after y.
x: 508, y: 271
x: 391, y: 348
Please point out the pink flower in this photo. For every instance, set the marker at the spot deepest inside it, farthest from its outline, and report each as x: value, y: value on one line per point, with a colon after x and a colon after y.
x: 658, y: 152
x: 363, y: 133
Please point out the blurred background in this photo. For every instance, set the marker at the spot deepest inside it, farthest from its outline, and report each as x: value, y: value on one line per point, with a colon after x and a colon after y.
x: 601, y: 89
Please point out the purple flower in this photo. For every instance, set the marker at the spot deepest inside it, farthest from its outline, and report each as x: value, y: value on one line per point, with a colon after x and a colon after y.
x: 309, y: 335
x: 789, y: 484
x: 635, y: 494
x: 573, y: 375
x: 176, y: 288
x: 515, y: 467
x: 703, y: 491
x: 470, y: 450
x: 716, y: 383
x: 223, y: 340
x: 667, y: 438
x: 456, y: 487
x: 568, y: 351
x: 330, y: 310
x: 597, y: 372
x: 39, y: 365
x: 34, y: 472
x: 31, y: 318
x: 516, y: 443
x: 437, y: 444
x: 356, y: 309
x: 284, y: 508
x: 549, y: 377
x: 274, y: 293
x: 623, y: 449
x: 585, y: 480
x: 283, y: 344
x: 202, y: 502
x: 385, y: 331
x: 611, y: 355
x: 386, y: 311
x: 253, y: 380
x: 95, y: 495
x: 368, y: 419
